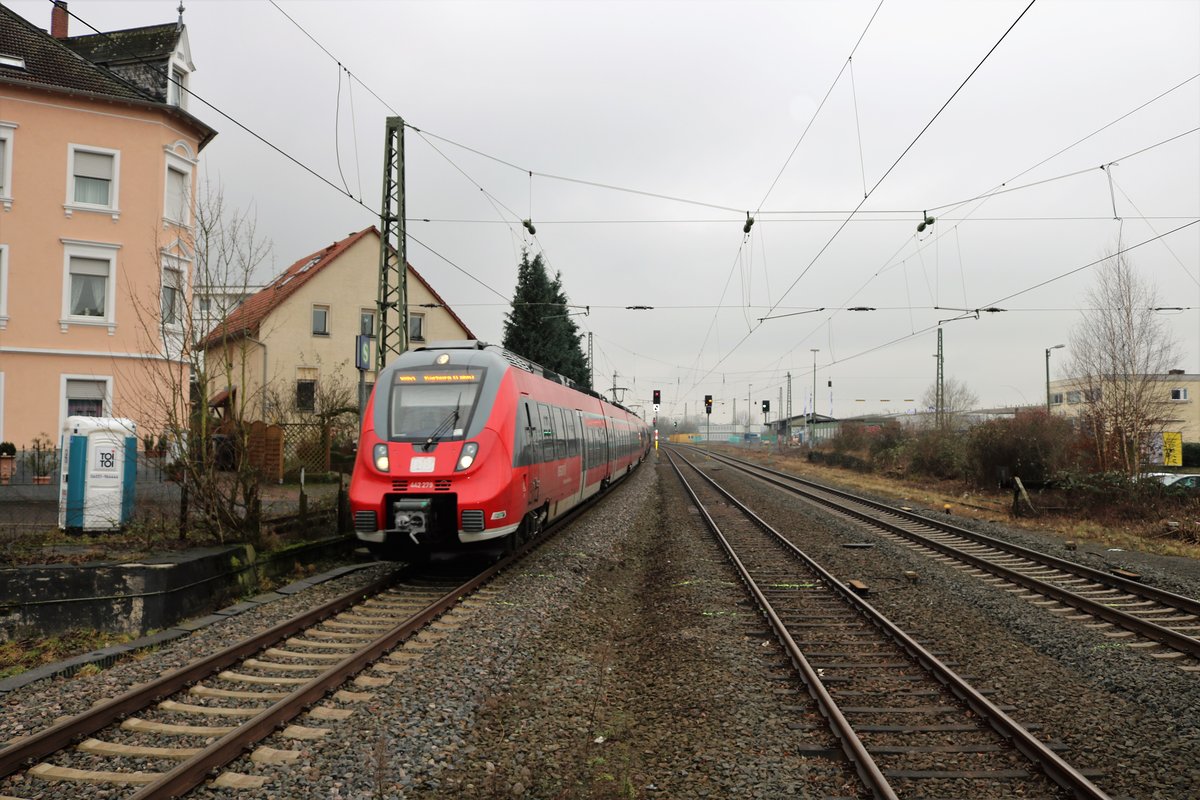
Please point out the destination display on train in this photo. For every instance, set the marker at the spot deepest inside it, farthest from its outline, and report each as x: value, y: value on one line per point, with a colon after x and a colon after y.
x: 438, y: 377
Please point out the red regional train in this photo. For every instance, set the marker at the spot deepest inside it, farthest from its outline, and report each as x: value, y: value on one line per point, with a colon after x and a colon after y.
x: 466, y: 446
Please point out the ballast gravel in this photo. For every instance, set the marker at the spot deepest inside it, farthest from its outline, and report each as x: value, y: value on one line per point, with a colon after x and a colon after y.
x: 622, y: 659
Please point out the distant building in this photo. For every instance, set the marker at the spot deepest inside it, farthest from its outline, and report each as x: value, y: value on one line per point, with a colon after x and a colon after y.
x: 295, y: 338
x: 211, y: 304
x: 1177, y: 400
x: 98, y: 157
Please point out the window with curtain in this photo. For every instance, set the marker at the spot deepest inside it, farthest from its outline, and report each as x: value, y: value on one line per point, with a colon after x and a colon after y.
x: 172, y: 293
x: 177, y: 195
x: 93, y: 178
x: 85, y: 398
x: 89, y: 286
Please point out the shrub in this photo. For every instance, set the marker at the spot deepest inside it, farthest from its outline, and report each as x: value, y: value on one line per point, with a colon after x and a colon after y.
x: 1031, y: 446
x: 887, y: 445
x: 937, y: 452
x: 8, y: 449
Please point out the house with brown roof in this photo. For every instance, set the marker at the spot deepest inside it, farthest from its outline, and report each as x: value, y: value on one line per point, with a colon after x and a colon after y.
x: 97, y: 175
x: 290, y: 346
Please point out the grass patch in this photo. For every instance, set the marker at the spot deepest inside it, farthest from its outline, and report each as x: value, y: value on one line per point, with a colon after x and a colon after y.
x: 21, y: 655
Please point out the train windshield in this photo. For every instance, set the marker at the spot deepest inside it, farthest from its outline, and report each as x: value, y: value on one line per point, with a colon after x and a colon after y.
x: 433, y: 405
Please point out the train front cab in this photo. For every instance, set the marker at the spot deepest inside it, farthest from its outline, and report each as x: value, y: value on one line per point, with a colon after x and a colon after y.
x: 432, y: 469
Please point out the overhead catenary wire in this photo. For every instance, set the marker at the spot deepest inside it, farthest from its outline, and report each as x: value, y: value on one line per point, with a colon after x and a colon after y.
x: 262, y: 139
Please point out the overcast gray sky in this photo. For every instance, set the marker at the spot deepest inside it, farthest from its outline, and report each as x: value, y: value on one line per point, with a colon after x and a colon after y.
x: 704, y: 102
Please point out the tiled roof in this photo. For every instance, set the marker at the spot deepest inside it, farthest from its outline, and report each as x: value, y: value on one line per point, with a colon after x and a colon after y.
x: 246, y: 318
x: 148, y: 43
x: 49, y: 63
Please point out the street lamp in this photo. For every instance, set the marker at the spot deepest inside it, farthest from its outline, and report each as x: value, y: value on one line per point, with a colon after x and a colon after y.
x: 1048, y: 349
x: 812, y: 412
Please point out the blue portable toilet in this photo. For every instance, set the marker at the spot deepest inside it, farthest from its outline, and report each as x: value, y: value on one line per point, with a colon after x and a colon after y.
x: 99, y: 472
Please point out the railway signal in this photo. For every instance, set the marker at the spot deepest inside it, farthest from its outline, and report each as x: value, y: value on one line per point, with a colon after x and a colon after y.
x: 766, y: 406
x: 708, y: 404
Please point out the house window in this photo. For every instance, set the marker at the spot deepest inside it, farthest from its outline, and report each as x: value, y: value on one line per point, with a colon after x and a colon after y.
x: 416, y: 327
x: 205, y: 304
x: 1179, y: 394
x: 88, y: 287
x: 366, y: 322
x: 6, y: 155
x: 172, y: 295
x: 1074, y: 397
x: 1056, y: 398
x: 85, y: 398
x: 320, y: 320
x: 177, y: 87
x: 177, y: 195
x: 306, y: 389
x: 94, y: 178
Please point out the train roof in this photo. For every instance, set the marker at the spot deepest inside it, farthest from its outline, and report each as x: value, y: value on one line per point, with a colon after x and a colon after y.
x: 520, y: 362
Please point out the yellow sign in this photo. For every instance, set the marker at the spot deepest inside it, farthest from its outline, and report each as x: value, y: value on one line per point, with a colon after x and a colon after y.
x: 1172, y: 449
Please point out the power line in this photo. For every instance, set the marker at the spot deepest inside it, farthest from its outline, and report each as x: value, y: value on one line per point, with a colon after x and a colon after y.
x: 284, y: 153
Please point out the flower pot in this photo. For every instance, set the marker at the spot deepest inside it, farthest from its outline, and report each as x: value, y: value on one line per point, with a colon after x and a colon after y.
x: 8, y: 465
x: 41, y: 480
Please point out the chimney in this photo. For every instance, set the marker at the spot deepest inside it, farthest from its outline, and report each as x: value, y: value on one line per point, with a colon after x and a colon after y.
x: 58, y: 20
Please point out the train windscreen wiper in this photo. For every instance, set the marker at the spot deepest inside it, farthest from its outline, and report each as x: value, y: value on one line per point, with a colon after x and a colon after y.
x: 445, y: 425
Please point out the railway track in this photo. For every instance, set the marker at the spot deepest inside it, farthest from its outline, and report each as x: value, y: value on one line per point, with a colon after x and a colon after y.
x: 165, y: 737
x: 908, y: 723
x: 1162, y: 624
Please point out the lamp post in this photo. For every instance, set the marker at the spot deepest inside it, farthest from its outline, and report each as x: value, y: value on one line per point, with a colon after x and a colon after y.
x: 1048, y: 349
x: 812, y: 412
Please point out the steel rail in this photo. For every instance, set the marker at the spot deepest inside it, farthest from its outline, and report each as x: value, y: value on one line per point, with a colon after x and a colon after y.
x: 58, y: 736
x: 1182, y: 602
x: 191, y: 773
x: 868, y: 771
x: 1033, y: 748
x: 1144, y: 628
x: 194, y: 771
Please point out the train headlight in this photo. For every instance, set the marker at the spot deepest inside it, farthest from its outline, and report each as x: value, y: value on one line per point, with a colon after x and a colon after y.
x: 467, y: 457
x: 379, y: 455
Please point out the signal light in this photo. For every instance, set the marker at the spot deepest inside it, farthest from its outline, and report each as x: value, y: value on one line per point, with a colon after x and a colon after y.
x: 657, y: 395
x: 766, y: 406
x: 708, y: 404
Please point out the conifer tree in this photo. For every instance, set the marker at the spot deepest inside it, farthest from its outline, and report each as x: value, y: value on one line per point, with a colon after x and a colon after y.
x: 539, y: 327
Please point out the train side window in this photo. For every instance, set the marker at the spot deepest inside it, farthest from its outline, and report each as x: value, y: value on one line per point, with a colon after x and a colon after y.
x: 546, y: 433
x: 559, y: 433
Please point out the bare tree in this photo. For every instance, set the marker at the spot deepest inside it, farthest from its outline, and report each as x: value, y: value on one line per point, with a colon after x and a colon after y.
x: 193, y: 401
x: 957, y: 398
x: 1120, y: 354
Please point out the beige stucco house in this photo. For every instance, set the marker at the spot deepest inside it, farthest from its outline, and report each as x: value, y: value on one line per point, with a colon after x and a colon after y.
x: 291, y: 345
x: 1177, y: 393
x: 98, y: 156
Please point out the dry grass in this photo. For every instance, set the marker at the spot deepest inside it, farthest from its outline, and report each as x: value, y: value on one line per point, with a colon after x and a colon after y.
x: 1150, y: 536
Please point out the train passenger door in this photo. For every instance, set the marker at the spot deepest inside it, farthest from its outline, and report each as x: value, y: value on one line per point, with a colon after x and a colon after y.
x: 529, y: 424
x: 576, y: 448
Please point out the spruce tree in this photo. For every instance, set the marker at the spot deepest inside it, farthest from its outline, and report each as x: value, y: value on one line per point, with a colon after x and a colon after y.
x: 538, y: 326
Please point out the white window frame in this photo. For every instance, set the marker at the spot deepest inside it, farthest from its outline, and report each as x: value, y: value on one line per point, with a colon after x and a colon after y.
x: 420, y: 317
x: 179, y: 267
x: 180, y: 162
x: 177, y: 92
x: 106, y: 408
x: 114, y: 195
x: 6, y: 187
x: 102, y: 251
x: 328, y: 320
x: 3, y: 286
x: 362, y: 312
x: 1181, y: 391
